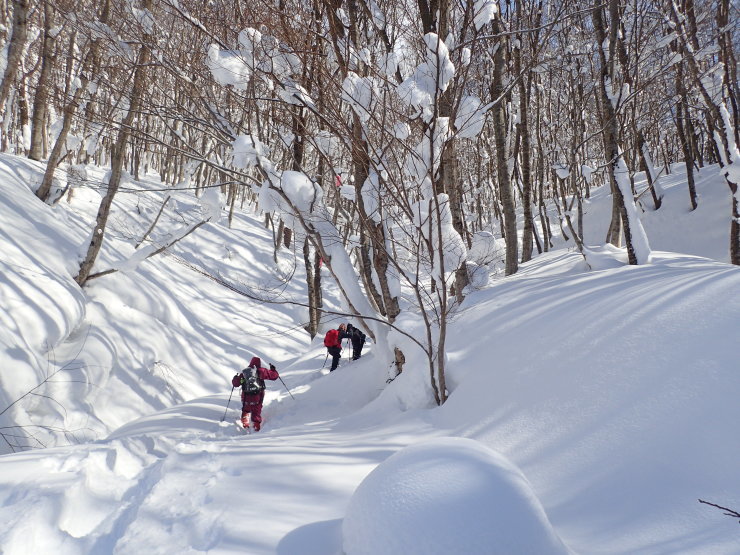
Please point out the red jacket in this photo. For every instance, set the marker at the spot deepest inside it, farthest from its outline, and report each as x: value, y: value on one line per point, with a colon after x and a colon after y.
x: 263, y: 374
x: 333, y: 338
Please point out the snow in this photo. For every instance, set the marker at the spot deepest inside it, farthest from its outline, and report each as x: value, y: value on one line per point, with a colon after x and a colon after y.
x: 228, y: 67
x: 640, y: 241
x: 587, y: 173
x: 484, y: 12
x: 447, y: 495
x: 212, y: 201
x: 470, y: 117
x: 589, y: 408
x: 247, y: 151
x: 429, y: 78
x: 358, y: 92
x: 562, y: 170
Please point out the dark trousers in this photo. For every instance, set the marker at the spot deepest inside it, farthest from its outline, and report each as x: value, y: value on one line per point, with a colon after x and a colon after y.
x: 335, y: 353
x: 357, y: 348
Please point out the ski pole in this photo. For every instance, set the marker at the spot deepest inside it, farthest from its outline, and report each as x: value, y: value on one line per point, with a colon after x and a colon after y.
x: 286, y: 388
x: 227, y: 404
x: 325, y: 359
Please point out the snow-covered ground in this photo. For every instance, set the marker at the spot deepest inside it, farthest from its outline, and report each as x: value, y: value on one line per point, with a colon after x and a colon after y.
x: 589, y: 411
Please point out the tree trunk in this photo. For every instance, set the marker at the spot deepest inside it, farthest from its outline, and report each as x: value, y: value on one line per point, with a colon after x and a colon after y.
x: 15, y: 50
x: 682, y: 114
x: 502, y: 166
x: 117, y: 160
x: 614, y: 157
x: 69, y: 112
x: 719, y: 121
x: 41, y: 99
x: 313, y: 321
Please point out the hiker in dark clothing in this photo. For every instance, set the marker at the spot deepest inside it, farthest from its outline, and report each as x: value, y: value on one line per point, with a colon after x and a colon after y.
x: 252, y: 381
x: 333, y: 343
x: 358, y: 340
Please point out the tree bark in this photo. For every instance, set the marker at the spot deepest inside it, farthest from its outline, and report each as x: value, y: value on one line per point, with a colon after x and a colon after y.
x: 718, y: 119
x: 41, y: 98
x: 117, y: 160
x: 15, y: 50
x: 614, y: 156
x: 502, y: 166
x: 44, y: 189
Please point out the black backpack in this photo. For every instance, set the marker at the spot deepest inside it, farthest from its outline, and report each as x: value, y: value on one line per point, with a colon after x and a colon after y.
x: 251, y: 383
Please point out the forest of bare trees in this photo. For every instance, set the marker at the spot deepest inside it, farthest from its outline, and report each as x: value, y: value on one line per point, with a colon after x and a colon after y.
x: 389, y: 141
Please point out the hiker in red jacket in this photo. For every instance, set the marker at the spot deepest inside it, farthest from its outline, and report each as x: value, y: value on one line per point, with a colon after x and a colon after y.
x: 333, y: 344
x: 252, y: 381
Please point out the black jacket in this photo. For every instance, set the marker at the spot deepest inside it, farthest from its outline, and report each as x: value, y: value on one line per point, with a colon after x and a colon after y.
x: 355, y: 335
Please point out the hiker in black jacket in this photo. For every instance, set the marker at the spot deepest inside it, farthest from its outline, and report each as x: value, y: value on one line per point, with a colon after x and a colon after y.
x: 358, y: 340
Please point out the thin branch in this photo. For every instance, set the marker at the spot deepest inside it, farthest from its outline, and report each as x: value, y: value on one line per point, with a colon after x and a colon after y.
x: 728, y: 512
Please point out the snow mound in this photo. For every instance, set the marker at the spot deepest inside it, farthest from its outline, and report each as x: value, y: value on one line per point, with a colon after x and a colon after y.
x: 448, y: 495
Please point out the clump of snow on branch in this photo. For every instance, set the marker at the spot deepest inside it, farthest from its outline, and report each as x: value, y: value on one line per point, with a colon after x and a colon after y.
x: 250, y: 39
x: 470, y: 117
x: 301, y: 191
x: 478, y: 276
x: 326, y: 143
x: 562, y: 170
x: 433, y: 218
x: 424, y: 160
x: 371, y: 196
x: 587, y: 173
x: 228, y: 67
x: 401, y: 131
x: 358, y: 93
x: 429, y: 78
x: 211, y: 203
x: 247, y: 151
x: 377, y: 14
x: 465, y: 57
x: 447, y: 495
x: 293, y: 93
x: 388, y: 63
x: 483, y: 12
x: 283, y: 65
x: 485, y: 249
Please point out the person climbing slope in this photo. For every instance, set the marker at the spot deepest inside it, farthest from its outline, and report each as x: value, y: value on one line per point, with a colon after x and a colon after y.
x: 358, y: 340
x: 333, y: 343
x: 252, y: 381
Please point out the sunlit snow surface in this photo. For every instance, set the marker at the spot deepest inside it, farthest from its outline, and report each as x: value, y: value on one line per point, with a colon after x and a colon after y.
x: 601, y: 398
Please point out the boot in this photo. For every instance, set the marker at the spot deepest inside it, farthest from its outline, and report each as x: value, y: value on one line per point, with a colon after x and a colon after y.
x: 256, y: 426
x: 245, y: 421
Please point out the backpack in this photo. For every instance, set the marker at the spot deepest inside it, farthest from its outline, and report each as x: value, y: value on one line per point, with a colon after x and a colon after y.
x: 251, y: 383
x: 331, y: 338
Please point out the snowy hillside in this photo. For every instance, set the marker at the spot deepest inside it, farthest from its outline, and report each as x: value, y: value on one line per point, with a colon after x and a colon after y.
x: 590, y: 408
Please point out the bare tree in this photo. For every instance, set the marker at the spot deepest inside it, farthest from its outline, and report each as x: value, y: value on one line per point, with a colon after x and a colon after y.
x: 15, y: 50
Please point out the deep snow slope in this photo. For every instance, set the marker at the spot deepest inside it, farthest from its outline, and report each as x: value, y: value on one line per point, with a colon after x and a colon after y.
x: 612, y: 389
x: 151, y: 335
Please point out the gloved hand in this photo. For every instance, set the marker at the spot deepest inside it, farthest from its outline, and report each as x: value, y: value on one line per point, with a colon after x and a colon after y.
x: 272, y: 367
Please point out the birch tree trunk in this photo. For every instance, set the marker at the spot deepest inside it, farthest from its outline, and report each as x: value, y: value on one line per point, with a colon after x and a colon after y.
x: 117, y: 158
x: 41, y: 98
x: 15, y: 50
x: 502, y: 167
x: 719, y: 119
x: 624, y: 206
x: 44, y: 190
